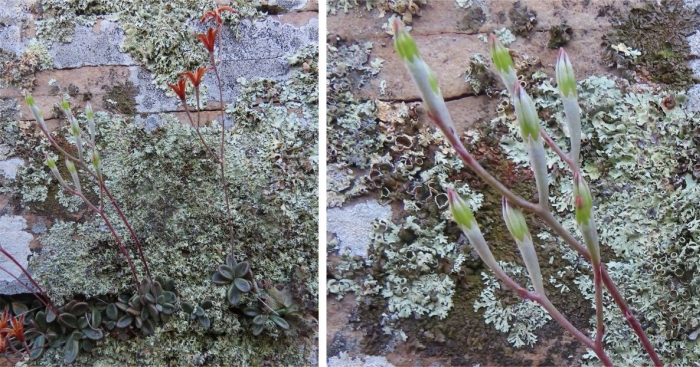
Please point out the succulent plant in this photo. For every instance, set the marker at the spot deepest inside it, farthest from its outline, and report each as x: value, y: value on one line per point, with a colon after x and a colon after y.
x: 237, y: 276
x: 197, y: 312
x: 76, y: 325
x: 154, y: 304
x: 274, y: 305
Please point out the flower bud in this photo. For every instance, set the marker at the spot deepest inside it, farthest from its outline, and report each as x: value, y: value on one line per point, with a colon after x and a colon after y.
x: 73, y: 174
x: 65, y: 106
x: 29, y: 99
x: 90, y: 115
x: 565, y: 75
x: 54, y: 170
x: 583, y: 201
x: 460, y: 210
x: 503, y: 62
x: 96, y: 162
x: 515, y: 221
x: 403, y: 42
x: 526, y: 113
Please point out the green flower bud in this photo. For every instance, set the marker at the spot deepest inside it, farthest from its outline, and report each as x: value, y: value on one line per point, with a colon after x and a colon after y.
x: 403, y: 42
x: 583, y: 200
x: 500, y: 55
x: 565, y: 75
x: 515, y: 221
x: 29, y: 99
x: 460, y: 209
x: 526, y: 113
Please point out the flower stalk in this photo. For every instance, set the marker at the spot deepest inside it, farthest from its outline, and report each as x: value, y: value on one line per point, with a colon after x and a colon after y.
x: 444, y: 122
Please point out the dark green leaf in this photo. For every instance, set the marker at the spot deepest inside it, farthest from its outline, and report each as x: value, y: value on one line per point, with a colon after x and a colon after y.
x: 138, y: 322
x: 204, y: 321
x: 257, y: 329
x: 187, y: 307
x: 124, y: 298
x: 122, y: 306
x: 169, y: 285
x: 233, y: 295
x: 145, y: 286
x: 79, y: 309
x: 125, y: 321
x: 109, y: 325
x: 206, y: 304
x: 19, y: 308
x: 241, y: 269
x: 71, y: 350
x: 87, y: 345
x: 96, y: 317
x: 219, y: 280
x: 242, y: 285
x: 68, y: 320
x: 199, y: 311
x: 112, y: 312
x: 144, y: 313
x: 225, y: 272
x: 160, y: 279
x: 133, y: 311
x: 152, y: 310
x: 135, y: 302
x: 93, y: 334
x: 148, y: 328
x: 82, y: 322
x: 168, y: 308
x: 50, y: 316
x: 149, y: 298
x: 37, y: 347
x: 280, y: 322
x: 252, y: 311
x: 157, y: 288
x: 165, y: 318
x: 40, y: 320
x: 260, y: 319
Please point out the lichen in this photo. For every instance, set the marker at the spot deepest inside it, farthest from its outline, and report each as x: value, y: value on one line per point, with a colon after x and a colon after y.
x: 170, y: 190
x: 663, y: 58
x: 160, y: 36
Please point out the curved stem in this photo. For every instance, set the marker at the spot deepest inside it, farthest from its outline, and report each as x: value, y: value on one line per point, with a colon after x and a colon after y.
x: 223, y: 141
x: 548, y: 218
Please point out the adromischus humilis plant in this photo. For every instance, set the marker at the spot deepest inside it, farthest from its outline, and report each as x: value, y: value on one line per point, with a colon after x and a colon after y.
x: 513, y: 205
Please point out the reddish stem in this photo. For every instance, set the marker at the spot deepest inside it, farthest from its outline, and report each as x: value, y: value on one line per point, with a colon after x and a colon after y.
x: 46, y: 301
x: 547, y: 216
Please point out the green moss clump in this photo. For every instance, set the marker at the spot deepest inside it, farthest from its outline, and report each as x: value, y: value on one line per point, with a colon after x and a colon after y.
x: 664, y: 56
x: 121, y: 98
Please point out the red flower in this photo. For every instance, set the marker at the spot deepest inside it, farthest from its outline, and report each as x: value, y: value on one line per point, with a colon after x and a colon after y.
x: 196, y: 76
x: 17, y: 329
x: 208, y: 39
x: 216, y: 14
x: 180, y: 87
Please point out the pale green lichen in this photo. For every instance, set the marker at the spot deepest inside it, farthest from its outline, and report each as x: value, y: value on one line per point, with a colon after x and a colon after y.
x: 640, y: 156
x: 170, y: 190
x: 519, y: 320
x: 160, y: 36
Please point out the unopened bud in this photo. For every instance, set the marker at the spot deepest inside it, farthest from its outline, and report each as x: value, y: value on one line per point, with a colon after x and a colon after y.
x: 460, y: 209
x: 73, y: 174
x: 515, y: 221
x: 583, y: 200
x: 29, y: 99
x: 526, y: 113
x: 403, y: 42
x: 500, y: 55
x: 565, y: 75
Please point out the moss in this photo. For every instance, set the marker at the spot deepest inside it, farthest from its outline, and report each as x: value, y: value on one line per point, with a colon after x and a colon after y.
x: 121, y: 98
x: 559, y: 36
x: 523, y: 19
x: 473, y: 20
x: 663, y: 58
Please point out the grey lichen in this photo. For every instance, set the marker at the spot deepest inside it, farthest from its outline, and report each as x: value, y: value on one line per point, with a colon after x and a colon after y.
x: 170, y: 190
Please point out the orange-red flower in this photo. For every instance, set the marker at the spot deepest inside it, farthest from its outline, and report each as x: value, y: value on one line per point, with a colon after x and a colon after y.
x: 179, y: 88
x: 216, y: 14
x: 196, y: 76
x: 17, y: 329
x: 208, y: 39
